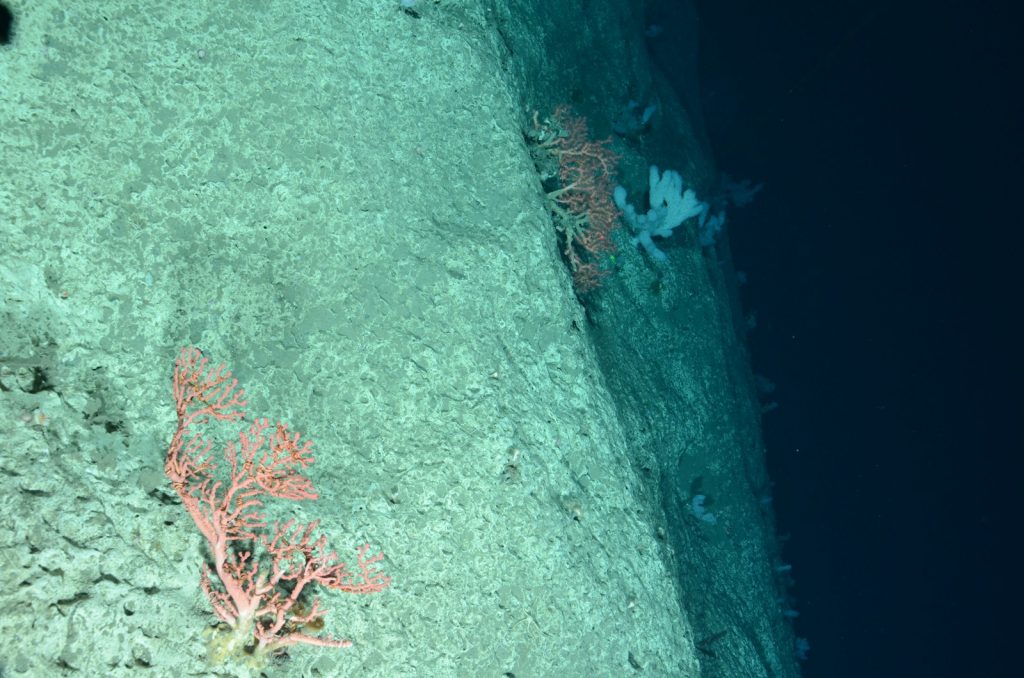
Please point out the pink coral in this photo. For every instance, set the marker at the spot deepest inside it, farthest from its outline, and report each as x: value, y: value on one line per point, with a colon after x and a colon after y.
x: 587, y: 213
x: 258, y: 575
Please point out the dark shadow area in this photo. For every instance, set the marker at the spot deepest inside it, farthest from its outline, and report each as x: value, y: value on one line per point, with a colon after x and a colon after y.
x: 882, y: 260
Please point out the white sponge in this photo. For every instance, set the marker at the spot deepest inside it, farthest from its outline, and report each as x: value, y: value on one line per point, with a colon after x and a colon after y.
x: 670, y: 206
